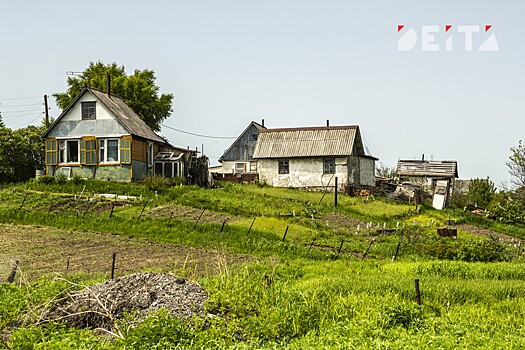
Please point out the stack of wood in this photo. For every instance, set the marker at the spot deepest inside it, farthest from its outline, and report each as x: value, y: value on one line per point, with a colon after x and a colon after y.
x: 362, y: 193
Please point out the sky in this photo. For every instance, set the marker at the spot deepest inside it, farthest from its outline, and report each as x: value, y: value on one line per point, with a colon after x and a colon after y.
x: 292, y: 63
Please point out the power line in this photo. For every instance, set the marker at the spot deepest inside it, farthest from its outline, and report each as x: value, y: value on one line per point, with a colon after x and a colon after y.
x: 25, y: 105
x: 200, y: 135
x: 19, y: 98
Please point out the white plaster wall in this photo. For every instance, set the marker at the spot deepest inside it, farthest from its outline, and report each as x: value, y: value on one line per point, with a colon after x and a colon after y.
x: 75, y: 113
x: 71, y: 125
x: 304, y: 172
x: 368, y: 177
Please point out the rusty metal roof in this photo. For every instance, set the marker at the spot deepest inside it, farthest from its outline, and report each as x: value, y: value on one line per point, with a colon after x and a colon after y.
x: 426, y: 168
x: 122, y: 112
x: 309, y: 142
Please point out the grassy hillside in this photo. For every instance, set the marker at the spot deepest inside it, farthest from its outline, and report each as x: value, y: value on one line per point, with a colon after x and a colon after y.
x: 285, y: 268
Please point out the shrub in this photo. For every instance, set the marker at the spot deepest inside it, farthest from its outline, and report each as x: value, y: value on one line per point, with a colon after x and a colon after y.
x: 481, y: 192
x: 46, y: 179
x: 155, y: 182
x: 60, y: 178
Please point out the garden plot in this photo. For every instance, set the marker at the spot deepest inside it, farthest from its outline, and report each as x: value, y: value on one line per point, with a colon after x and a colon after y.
x: 41, y: 250
x: 185, y: 213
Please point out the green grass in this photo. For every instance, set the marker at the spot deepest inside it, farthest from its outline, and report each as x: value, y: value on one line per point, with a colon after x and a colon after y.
x: 297, y: 294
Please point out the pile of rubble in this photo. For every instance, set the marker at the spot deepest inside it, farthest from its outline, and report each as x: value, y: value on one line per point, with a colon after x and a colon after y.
x: 140, y: 294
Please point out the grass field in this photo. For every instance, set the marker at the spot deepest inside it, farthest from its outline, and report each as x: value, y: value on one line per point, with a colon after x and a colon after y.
x: 312, y: 287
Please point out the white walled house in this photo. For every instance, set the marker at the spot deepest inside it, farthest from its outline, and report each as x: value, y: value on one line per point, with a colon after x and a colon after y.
x: 312, y: 157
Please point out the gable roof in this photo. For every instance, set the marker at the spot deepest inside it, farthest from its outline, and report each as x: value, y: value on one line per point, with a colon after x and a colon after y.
x: 425, y: 168
x: 121, y: 111
x: 254, y: 124
x: 310, y: 142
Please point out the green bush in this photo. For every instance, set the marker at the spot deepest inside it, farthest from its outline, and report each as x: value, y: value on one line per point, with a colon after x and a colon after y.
x: 155, y: 182
x: 46, y: 179
x: 481, y: 192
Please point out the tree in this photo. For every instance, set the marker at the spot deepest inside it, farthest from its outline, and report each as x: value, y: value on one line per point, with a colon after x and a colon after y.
x: 516, y: 165
x: 137, y: 90
x: 481, y: 192
x: 383, y: 170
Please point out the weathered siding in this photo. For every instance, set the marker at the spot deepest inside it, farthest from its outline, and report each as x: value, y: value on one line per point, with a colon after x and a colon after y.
x: 368, y: 172
x: 304, y: 172
x: 114, y: 173
x: 140, y: 169
x: 72, y: 126
x: 242, y: 149
x: 139, y: 150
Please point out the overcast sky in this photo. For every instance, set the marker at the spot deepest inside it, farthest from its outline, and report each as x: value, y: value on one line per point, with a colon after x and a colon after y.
x: 293, y: 63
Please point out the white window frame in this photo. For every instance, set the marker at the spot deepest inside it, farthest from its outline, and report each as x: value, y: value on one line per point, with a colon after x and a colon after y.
x: 103, y: 149
x: 63, y: 151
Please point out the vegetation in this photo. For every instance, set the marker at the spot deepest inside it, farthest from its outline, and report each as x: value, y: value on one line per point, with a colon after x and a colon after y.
x: 138, y: 90
x: 21, y: 152
x: 516, y: 165
x: 311, y: 288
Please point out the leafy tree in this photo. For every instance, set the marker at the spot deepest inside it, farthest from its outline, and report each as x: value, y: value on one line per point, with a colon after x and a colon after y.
x: 481, y: 192
x: 516, y: 165
x: 21, y: 152
x: 383, y: 170
x: 138, y: 91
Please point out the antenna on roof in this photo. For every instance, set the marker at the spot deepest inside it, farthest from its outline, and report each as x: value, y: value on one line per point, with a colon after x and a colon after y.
x: 327, y: 122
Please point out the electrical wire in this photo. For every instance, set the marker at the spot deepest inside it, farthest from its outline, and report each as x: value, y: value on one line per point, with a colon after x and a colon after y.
x: 11, y: 106
x: 199, y: 135
x: 19, y: 98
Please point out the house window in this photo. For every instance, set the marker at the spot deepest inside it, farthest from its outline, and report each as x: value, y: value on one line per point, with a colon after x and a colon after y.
x: 239, y: 168
x: 253, y: 137
x: 101, y: 151
x: 89, y: 110
x: 108, y: 150
x: 253, y: 167
x: 329, y: 166
x: 62, y: 151
x: 284, y: 167
x: 68, y: 151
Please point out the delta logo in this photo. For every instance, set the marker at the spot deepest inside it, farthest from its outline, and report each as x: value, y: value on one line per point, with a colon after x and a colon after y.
x: 441, y: 38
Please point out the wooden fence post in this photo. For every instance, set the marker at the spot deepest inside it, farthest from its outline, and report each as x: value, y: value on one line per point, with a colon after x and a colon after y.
x: 21, y: 205
x: 111, y: 212
x: 251, y: 225
x: 418, y: 294
x: 341, y: 246
x: 114, y: 258
x: 285, y: 232
x: 367, y: 249
x: 142, y: 212
x: 335, y: 193
x: 200, y: 216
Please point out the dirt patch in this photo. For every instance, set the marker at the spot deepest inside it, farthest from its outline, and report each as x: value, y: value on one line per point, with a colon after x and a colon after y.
x: 41, y: 249
x: 336, y: 220
x: 100, y: 305
x: 485, y: 232
x: 184, y: 213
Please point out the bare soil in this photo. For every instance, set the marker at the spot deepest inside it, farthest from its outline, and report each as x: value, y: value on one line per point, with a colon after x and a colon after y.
x: 485, y: 232
x: 41, y: 250
x: 185, y: 213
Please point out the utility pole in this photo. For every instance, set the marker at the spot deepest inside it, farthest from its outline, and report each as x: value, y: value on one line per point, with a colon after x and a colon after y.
x: 46, y: 112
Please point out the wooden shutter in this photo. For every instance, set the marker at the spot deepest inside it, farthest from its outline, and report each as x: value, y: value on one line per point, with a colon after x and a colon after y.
x: 125, y: 150
x: 88, y: 150
x: 51, y: 152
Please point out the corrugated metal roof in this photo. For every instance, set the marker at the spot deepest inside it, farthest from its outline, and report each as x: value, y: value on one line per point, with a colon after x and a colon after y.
x: 309, y: 142
x: 444, y: 168
x: 122, y: 112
